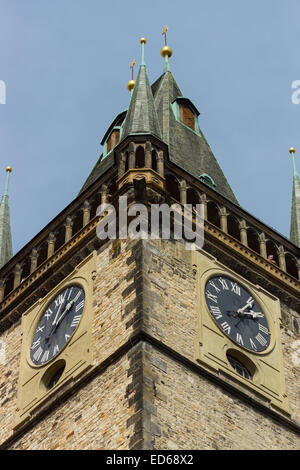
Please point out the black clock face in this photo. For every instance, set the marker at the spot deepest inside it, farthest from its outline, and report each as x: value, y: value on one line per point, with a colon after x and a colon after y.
x: 57, y: 324
x: 237, y: 313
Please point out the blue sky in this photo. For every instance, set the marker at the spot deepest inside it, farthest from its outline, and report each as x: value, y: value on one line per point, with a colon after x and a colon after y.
x: 65, y: 64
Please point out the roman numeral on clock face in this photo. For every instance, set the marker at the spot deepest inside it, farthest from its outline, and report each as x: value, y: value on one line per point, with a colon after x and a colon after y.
x: 261, y: 339
x: 79, y: 306
x: 239, y: 339
x: 59, y: 300
x: 214, y: 286
x: 75, y: 321
x: 37, y: 354
x: 226, y: 327
x: 45, y: 356
x: 36, y: 343
x: 223, y: 283
x: 263, y: 329
x: 48, y: 313
x: 212, y: 297
x: 215, y: 311
x: 253, y: 345
x: 235, y: 288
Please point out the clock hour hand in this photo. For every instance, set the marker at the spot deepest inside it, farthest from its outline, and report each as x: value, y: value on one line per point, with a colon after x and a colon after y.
x: 248, y: 304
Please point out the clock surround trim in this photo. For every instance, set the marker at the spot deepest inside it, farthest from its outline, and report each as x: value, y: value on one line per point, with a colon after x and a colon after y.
x: 267, y: 384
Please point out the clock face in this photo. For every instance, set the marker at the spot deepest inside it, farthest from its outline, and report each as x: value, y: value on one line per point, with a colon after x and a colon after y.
x: 57, y: 324
x: 237, y: 313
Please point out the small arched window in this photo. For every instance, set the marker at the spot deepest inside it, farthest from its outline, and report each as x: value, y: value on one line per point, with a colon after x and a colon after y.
x: 192, y: 197
x: 140, y: 158
x: 291, y: 265
x: 172, y: 187
x: 233, y: 227
x: 154, y: 160
x: 213, y: 215
x: 253, y: 240
x: 272, y: 252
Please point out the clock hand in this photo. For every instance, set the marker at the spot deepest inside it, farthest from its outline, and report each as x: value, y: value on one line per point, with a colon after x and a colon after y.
x: 57, y: 323
x: 68, y: 307
x: 57, y: 313
x: 248, y: 304
x: 255, y: 314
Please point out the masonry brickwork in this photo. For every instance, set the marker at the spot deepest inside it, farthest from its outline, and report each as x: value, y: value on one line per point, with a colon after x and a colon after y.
x: 146, y: 390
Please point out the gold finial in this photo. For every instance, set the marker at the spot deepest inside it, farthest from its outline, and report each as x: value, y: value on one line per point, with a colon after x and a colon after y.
x: 166, y: 51
x: 292, y: 150
x: 143, y: 40
x: 8, y: 169
x: 130, y: 84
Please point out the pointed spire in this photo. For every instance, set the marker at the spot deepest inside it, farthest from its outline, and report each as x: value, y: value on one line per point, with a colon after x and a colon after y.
x: 5, y: 231
x: 295, y: 209
x: 141, y: 116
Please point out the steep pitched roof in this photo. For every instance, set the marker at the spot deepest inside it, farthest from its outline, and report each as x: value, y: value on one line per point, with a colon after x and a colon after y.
x: 141, y: 117
x: 150, y: 112
x: 187, y: 149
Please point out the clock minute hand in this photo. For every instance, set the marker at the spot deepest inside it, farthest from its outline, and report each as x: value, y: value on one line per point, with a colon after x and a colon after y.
x: 57, y: 313
x: 55, y: 322
x: 68, y: 307
x: 255, y: 314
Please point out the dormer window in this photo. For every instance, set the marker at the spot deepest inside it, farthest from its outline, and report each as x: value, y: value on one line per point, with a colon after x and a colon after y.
x: 187, y: 116
x: 205, y: 178
x: 113, y: 134
x: 186, y: 113
x: 113, y: 140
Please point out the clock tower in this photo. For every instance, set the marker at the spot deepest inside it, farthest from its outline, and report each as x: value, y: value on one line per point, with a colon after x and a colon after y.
x: 140, y: 343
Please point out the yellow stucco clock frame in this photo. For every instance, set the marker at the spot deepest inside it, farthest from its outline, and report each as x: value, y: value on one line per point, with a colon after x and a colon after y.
x: 75, y: 357
x: 213, y: 347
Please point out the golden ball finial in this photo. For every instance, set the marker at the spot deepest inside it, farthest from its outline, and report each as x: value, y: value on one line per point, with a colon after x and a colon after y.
x: 292, y: 150
x: 8, y: 169
x: 166, y: 50
x: 130, y: 85
x: 143, y: 40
